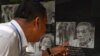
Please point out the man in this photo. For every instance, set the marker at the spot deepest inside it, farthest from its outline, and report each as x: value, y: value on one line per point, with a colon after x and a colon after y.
x: 84, y: 35
x: 27, y: 26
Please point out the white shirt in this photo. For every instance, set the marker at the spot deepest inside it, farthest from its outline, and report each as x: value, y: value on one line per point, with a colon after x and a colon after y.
x: 9, y: 41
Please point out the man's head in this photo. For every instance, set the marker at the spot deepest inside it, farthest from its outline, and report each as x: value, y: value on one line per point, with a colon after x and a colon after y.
x: 31, y: 16
x: 84, y: 32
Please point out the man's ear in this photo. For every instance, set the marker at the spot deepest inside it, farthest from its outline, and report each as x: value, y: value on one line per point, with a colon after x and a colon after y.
x: 36, y: 23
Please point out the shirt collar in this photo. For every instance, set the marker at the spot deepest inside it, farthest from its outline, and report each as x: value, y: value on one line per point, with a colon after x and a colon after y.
x: 24, y: 40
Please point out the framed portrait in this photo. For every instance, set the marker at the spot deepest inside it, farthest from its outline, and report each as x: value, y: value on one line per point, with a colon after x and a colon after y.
x: 7, y: 12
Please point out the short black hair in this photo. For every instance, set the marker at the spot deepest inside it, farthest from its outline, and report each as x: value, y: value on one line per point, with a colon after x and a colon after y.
x: 29, y: 9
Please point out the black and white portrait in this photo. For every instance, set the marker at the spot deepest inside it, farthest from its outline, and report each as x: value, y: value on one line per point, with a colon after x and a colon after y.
x: 50, y: 8
x: 8, y: 11
x: 64, y: 31
x: 85, y: 35
x: 47, y: 41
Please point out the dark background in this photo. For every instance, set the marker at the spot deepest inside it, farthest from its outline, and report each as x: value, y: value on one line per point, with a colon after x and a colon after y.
x: 81, y: 10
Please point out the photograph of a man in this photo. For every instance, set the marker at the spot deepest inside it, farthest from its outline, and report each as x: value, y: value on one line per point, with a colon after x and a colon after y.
x: 85, y: 35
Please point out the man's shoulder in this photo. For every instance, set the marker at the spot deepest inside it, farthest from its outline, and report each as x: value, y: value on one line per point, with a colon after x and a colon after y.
x: 8, y: 41
x: 6, y: 30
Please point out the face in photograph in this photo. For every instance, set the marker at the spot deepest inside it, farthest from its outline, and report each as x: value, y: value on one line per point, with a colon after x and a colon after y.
x: 84, y: 33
